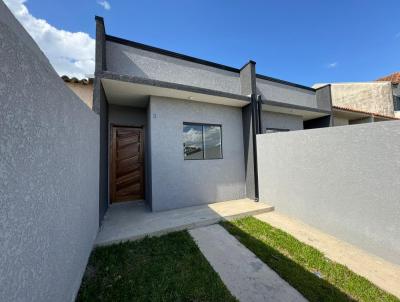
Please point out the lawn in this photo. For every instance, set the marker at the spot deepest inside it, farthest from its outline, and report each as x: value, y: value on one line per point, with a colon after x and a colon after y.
x: 167, y: 268
x: 305, y: 268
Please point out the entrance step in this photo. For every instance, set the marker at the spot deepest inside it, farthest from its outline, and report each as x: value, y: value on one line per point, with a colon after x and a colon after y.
x: 132, y: 220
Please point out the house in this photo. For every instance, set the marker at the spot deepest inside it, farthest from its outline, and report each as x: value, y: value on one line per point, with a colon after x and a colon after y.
x: 179, y: 131
x: 394, y: 80
x: 82, y: 88
x: 348, y: 116
x: 365, y: 102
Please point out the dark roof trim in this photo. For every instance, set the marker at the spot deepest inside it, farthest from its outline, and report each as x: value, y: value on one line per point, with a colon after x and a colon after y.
x: 169, y: 53
x: 263, y: 77
x: 292, y: 106
x: 138, y: 80
x: 197, y: 60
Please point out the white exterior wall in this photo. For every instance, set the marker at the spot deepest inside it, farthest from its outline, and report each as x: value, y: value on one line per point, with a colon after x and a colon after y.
x: 177, y: 182
x: 128, y: 60
x: 374, y: 97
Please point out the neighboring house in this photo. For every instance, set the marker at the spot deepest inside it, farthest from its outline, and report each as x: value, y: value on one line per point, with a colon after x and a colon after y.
x: 365, y: 102
x: 178, y: 131
x: 394, y: 79
x: 82, y: 88
x: 347, y: 116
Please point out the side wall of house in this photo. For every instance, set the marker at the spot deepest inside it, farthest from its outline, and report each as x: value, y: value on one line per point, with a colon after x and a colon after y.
x: 342, y: 180
x: 177, y: 182
x: 277, y: 92
x: 49, y: 172
x: 374, y: 97
x: 277, y: 120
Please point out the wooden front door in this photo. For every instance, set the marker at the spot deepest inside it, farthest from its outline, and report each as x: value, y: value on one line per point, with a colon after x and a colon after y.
x: 127, y: 164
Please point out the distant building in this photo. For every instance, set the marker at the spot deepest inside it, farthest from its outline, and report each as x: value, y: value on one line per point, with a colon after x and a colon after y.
x: 365, y: 102
x: 82, y: 88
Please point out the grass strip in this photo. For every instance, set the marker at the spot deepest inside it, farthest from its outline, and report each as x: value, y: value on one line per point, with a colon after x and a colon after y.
x: 167, y: 268
x: 316, y: 277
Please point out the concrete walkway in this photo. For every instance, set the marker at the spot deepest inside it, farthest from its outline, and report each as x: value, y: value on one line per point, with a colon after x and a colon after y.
x: 133, y: 220
x: 246, y: 276
x: 384, y: 274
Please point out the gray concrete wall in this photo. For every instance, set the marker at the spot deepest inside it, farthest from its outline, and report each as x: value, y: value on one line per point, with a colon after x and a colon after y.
x: 280, y: 121
x: 128, y: 60
x: 272, y: 91
x: 177, y: 182
x: 342, y: 180
x: 49, y: 172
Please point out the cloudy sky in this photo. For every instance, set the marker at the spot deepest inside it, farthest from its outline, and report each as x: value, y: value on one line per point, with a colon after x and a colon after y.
x: 70, y: 53
x: 305, y: 42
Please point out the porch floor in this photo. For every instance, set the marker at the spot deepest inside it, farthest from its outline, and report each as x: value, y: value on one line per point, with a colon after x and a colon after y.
x: 133, y: 220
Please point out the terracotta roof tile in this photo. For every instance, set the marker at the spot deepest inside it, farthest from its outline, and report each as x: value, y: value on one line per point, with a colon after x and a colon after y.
x: 75, y: 80
x: 394, y: 78
x: 366, y: 112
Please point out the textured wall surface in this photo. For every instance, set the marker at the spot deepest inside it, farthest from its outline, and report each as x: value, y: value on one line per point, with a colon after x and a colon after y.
x: 277, y: 92
x: 49, y: 172
x: 342, y: 180
x: 127, y: 60
x: 373, y: 97
x: 84, y: 92
x: 281, y: 121
x: 177, y: 182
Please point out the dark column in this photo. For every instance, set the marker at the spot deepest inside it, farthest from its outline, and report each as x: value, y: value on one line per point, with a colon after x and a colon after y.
x: 251, y: 126
x: 100, y: 106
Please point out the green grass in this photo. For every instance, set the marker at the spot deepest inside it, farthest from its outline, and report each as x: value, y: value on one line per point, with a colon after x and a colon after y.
x: 305, y: 268
x: 167, y: 268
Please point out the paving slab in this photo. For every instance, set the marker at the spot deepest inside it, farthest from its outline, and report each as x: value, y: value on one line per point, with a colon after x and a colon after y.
x: 247, y: 277
x: 382, y: 273
x: 133, y: 220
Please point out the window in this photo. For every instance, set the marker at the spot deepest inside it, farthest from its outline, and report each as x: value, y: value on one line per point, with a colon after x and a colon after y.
x: 202, y: 141
x: 396, y: 103
x: 273, y: 130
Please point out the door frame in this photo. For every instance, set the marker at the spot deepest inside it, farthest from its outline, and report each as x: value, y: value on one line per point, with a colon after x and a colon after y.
x: 111, y: 163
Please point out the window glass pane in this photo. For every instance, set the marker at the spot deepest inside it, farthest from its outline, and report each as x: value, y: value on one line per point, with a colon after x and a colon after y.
x: 212, y: 142
x: 193, y: 141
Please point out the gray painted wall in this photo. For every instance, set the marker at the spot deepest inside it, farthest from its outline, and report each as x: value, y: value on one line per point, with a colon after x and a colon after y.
x: 49, y: 169
x: 342, y: 180
x: 177, y: 182
x: 128, y: 60
x: 280, y: 121
x: 127, y: 116
x: 272, y: 91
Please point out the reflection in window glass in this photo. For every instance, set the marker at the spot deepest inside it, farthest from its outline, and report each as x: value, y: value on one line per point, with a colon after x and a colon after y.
x: 212, y: 142
x: 202, y: 141
x: 193, y: 141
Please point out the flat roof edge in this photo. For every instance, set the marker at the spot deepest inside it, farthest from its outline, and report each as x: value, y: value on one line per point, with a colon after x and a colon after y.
x: 170, y: 53
x: 293, y: 106
x: 162, y: 84
x: 263, y: 77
